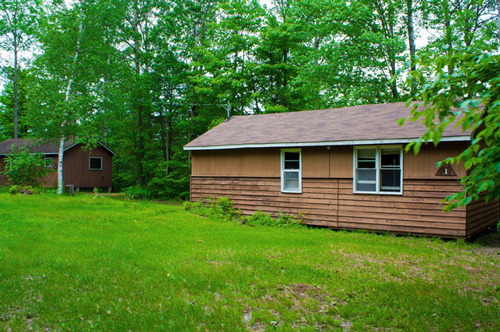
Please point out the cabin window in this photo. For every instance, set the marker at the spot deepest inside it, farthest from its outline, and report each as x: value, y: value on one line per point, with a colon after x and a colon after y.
x: 291, y: 170
x: 95, y: 164
x: 48, y: 162
x: 378, y: 170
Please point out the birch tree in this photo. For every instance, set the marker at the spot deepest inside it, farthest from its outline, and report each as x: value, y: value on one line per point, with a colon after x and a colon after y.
x: 69, y: 75
x: 67, y: 96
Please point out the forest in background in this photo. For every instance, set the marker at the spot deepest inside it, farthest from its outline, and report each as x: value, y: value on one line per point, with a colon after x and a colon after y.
x: 147, y: 76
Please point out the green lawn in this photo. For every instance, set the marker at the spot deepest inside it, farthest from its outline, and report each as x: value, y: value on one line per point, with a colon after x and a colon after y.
x: 79, y: 263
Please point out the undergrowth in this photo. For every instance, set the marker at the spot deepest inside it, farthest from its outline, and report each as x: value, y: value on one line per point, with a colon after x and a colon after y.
x: 222, y: 208
x: 25, y: 190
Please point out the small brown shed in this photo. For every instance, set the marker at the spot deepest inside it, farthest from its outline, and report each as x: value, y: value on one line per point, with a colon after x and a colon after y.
x: 341, y: 168
x: 89, y: 168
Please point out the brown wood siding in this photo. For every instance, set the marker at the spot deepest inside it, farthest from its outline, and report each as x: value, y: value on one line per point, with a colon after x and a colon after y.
x: 481, y: 215
x: 251, y: 177
x: 423, y: 165
x: 238, y: 162
x: 330, y: 202
x: 341, y: 158
x: 317, y: 162
x: 76, y: 168
x: 3, y: 178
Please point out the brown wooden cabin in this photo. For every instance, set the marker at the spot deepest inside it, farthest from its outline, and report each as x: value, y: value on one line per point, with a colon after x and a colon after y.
x: 340, y: 168
x: 91, y: 168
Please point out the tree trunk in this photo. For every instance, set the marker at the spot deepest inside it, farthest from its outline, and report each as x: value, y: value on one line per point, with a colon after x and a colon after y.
x: 16, y: 110
x: 62, y: 139
x: 392, y: 59
x: 138, y: 104
x: 167, y: 145
x: 197, y: 43
x: 285, y: 78
x: 448, y: 34
x: 411, y: 42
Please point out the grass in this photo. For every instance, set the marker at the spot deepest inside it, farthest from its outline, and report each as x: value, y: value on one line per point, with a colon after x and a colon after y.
x: 83, y: 263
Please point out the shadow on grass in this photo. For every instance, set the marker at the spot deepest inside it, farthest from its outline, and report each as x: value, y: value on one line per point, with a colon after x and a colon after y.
x: 489, y: 241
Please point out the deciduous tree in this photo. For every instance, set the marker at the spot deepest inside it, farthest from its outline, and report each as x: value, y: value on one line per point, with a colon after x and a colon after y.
x: 470, y: 98
x: 18, y: 23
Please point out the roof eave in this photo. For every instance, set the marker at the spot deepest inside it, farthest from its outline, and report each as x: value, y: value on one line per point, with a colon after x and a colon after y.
x: 332, y: 143
x: 104, y: 146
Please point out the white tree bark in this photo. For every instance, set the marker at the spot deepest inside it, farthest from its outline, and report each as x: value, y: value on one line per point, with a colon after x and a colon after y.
x: 62, y: 139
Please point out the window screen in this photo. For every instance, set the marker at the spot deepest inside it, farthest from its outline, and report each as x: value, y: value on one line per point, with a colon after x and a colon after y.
x: 366, y: 173
x: 95, y: 163
x: 378, y: 170
x: 390, y: 170
x: 290, y: 172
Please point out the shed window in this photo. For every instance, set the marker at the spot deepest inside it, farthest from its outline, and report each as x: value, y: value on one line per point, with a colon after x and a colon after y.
x: 95, y: 164
x: 291, y: 171
x: 378, y: 170
x: 48, y: 162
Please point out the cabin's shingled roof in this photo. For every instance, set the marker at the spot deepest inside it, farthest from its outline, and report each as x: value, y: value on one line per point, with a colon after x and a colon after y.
x: 38, y: 146
x: 341, y: 125
x: 34, y: 146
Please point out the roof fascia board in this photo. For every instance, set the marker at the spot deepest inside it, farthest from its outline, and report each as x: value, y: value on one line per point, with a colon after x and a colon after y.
x: 71, y: 146
x: 337, y: 143
x: 104, y: 146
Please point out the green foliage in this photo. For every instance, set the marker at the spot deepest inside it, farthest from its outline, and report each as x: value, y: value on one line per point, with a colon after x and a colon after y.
x: 222, y: 208
x: 458, y: 26
x: 7, y: 107
x: 260, y: 218
x: 23, y: 167
x: 216, y: 122
x: 25, y: 190
x: 468, y: 98
x: 287, y: 220
x: 147, y: 94
x: 138, y: 193
x: 14, y: 189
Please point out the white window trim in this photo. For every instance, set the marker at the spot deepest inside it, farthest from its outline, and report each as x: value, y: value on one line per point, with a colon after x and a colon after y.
x: 378, y: 149
x: 45, y: 162
x: 95, y: 169
x: 299, y: 191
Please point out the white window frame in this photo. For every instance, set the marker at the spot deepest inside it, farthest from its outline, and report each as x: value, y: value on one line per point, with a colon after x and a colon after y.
x: 45, y: 162
x: 283, y: 171
x: 95, y: 169
x: 378, y: 166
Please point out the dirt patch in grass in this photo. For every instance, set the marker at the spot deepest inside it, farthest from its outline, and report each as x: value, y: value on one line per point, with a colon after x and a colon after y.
x: 489, y: 243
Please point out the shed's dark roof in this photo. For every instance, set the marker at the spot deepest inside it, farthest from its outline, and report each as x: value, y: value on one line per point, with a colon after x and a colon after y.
x: 38, y: 146
x: 341, y: 126
x: 34, y: 146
